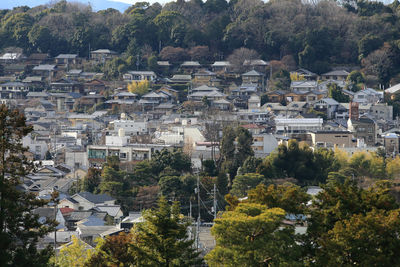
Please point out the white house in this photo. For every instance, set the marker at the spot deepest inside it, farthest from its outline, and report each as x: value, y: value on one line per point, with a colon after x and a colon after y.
x: 139, y: 76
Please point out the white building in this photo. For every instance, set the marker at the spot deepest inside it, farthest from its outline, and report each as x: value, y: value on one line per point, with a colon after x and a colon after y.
x: 130, y: 127
x: 264, y: 144
x: 298, y: 125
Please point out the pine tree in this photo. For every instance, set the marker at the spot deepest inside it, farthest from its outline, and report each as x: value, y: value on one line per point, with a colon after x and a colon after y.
x: 163, y: 238
x: 20, y: 229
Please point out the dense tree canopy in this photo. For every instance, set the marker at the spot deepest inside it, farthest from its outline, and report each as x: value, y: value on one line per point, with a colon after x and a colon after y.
x: 316, y: 35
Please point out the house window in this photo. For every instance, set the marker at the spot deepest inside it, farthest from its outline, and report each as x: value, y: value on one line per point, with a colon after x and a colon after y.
x: 122, y: 155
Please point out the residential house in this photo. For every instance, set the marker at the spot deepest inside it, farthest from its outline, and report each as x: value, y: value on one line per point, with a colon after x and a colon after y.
x: 96, y: 86
x: 67, y: 59
x: 140, y: 76
x: 73, y: 74
x: 306, y: 74
x: 298, y: 125
x: 165, y: 65
x: 190, y: 66
x: 34, y: 83
x: 67, y: 86
x: 39, y: 148
x: 256, y: 64
x: 46, y: 71
x: 203, y: 77
x: 181, y: 79
x: 37, y: 59
x: 221, y: 104
x: 38, y: 95
x: 254, y: 77
x: 304, y: 86
x: 332, y: 139
x: 363, y: 128
x: 87, y: 200
x: 152, y: 99
x: 102, y: 55
x: 337, y: 75
x: 276, y: 96
x: 328, y: 106
x: 221, y: 66
x: 263, y: 144
x: 254, y: 102
x: 130, y: 127
x: 368, y: 95
x: 114, y: 211
x: 391, y: 144
x: 11, y: 57
x: 97, y: 154
x: 381, y: 111
x: 64, y: 101
x: 13, y: 90
x: 393, y: 91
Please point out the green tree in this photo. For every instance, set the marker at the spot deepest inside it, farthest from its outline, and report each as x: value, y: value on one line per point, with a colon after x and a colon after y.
x: 288, y: 197
x: 343, y: 202
x: 355, y: 81
x: 244, y: 141
x: 114, y: 251
x: 243, y: 183
x: 164, y: 238
x: 335, y: 92
x: 40, y: 38
x: 250, y: 165
x: 92, y: 180
x: 250, y: 235
x: 369, y: 239
x: 176, y: 160
x: 20, y: 229
x: 281, y: 80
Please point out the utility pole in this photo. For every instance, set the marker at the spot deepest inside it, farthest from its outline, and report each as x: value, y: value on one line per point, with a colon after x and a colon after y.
x: 215, y: 201
x: 198, y: 218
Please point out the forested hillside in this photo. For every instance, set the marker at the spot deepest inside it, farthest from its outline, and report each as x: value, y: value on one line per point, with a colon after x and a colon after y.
x: 316, y: 35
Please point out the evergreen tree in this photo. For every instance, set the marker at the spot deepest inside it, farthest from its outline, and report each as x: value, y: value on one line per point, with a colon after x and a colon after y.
x: 20, y: 229
x: 164, y: 238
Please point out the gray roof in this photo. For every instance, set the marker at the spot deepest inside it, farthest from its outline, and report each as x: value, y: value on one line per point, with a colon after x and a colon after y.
x: 190, y: 64
x: 221, y: 64
x: 44, y: 67
x: 104, y: 51
x: 337, y: 73
x: 252, y: 73
x: 163, y: 63
x: 111, y: 210
x: 100, y: 198
x: 79, y: 215
x: 144, y: 72
x: 330, y: 101
x: 37, y: 94
x: 69, y: 56
x: 33, y: 79
x: 181, y: 77
x: 255, y: 62
x: 13, y: 84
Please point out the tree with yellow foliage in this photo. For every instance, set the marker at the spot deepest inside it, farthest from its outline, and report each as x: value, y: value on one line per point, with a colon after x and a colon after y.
x: 74, y: 255
x: 139, y: 87
x: 393, y: 168
x: 294, y: 76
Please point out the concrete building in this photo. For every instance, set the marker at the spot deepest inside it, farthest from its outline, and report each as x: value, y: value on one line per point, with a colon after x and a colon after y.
x: 332, y: 139
x: 130, y: 127
x: 298, y: 125
x: 363, y: 128
x: 263, y: 144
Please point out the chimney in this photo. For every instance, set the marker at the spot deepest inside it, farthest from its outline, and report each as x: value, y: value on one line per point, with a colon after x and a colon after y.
x: 353, y: 111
